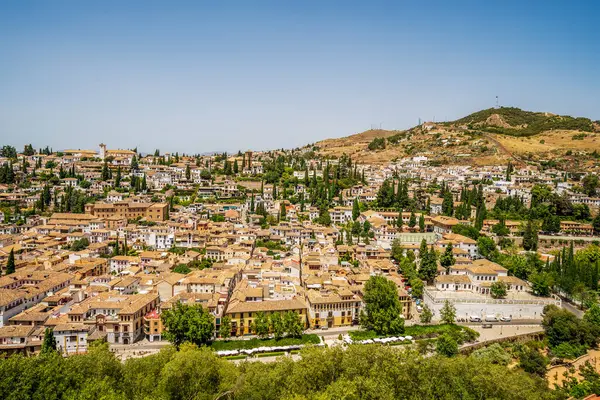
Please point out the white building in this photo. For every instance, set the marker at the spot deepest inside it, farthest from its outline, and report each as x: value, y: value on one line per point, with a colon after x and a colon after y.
x: 72, y: 338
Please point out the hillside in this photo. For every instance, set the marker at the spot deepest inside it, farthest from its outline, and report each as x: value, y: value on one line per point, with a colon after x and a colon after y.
x: 487, y: 137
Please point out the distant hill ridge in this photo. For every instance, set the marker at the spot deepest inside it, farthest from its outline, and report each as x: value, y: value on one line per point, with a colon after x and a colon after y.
x: 516, y: 122
x: 486, y: 137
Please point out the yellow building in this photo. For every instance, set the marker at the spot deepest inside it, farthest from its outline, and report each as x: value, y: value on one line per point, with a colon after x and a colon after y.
x: 242, y: 313
x: 333, y: 308
x: 129, y: 210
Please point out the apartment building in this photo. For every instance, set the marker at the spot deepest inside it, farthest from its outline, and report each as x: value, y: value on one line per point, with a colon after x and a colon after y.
x: 117, y: 317
x: 129, y: 210
x: 332, y: 308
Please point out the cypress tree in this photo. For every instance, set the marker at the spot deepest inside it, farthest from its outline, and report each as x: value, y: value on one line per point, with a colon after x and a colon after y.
x: 49, y: 343
x: 413, y: 220
x: 399, y: 221
x: 118, y: 177
x: 10, y: 263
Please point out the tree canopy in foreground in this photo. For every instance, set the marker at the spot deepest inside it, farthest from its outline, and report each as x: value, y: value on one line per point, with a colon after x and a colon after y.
x: 359, y: 372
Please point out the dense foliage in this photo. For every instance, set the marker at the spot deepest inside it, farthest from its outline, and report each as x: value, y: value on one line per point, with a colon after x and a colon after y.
x: 567, y: 335
x: 525, y: 123
x: 359, y: 372
x: 383, y: 311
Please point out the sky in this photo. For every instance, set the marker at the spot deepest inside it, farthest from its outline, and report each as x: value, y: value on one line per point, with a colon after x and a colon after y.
x: 202, y: 76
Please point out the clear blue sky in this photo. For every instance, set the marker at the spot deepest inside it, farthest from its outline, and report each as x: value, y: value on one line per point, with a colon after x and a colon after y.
x: 220, y: 75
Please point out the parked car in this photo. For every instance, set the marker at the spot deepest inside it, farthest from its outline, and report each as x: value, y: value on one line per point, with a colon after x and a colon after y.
x: 506, y: 319
x: 491, y: 318
x: 474, y: 318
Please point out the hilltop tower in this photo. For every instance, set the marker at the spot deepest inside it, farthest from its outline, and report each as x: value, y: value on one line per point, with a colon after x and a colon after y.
x: 102, y: 151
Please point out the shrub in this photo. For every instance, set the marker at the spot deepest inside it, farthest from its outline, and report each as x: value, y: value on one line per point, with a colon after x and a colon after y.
x: 494, y: 354
x: 568, y: 350
x: 377, y: 144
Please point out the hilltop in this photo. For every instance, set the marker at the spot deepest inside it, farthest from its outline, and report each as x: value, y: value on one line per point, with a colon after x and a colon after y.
x: 487, y: 137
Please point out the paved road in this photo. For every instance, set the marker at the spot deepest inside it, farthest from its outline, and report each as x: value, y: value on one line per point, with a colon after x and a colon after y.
x: 572, y: 308
x: 511, y: 323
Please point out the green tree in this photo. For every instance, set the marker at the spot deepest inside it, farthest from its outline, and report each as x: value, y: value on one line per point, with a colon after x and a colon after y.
x: 417, y: 286
x: 447, y: 259
x: 80, y: 244
x: 500, y: 229
x: 498, y: 290
x: 10, y: 263
x: 194, y: 373
x: 225, y: 329
x: 423, y: 249
x: 421, y: 223
x: 532, y: 361
x: 187, y: 323
x: 412, y: 222
x: 466, y: 230
x: 188, y: 172
x: 383, y: 311
x: 541, y: 283
x: 590, y: 185
x: 596, y: 224
x: 28, y: 150
x: 428, y: 265
x: 446, y: 346
x: 385, y: 195
x: 294, y: 327
x: 530, y: 236
x: 260, y: 325
x: 105, y: 174
x: 494, y: 354
x: 448, y: 313
x: 49, y: 343
x: 448, y: 204
x: 324, y: 217
x: 118, y: 177
x: 426, y: 315
x: 486, y: 246
x: 397, y: 250
x: 277, y: 325
x: 399, y: 221
x: 355, y: 210
x: 182, y: 269
x: 134, y: 163
x: 551, y: 224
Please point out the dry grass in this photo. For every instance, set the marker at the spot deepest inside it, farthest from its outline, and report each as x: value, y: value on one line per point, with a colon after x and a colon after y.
x: 550, y: 142
x: 501, y: 147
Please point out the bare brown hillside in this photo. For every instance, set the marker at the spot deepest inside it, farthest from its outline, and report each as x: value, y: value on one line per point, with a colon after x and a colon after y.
x: 460, y: 143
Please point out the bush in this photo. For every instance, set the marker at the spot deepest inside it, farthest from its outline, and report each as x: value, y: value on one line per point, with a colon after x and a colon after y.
x: 446, y: 346
x: 377, y: 144
x: 532, y: 361
x: 568, y: 350
x: 494, y: 354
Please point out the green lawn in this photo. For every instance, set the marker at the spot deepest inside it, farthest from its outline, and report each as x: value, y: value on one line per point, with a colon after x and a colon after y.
x: 219, y: 345
x: 238, y: 357
x: 271, y: 354
x: 421, y: 332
